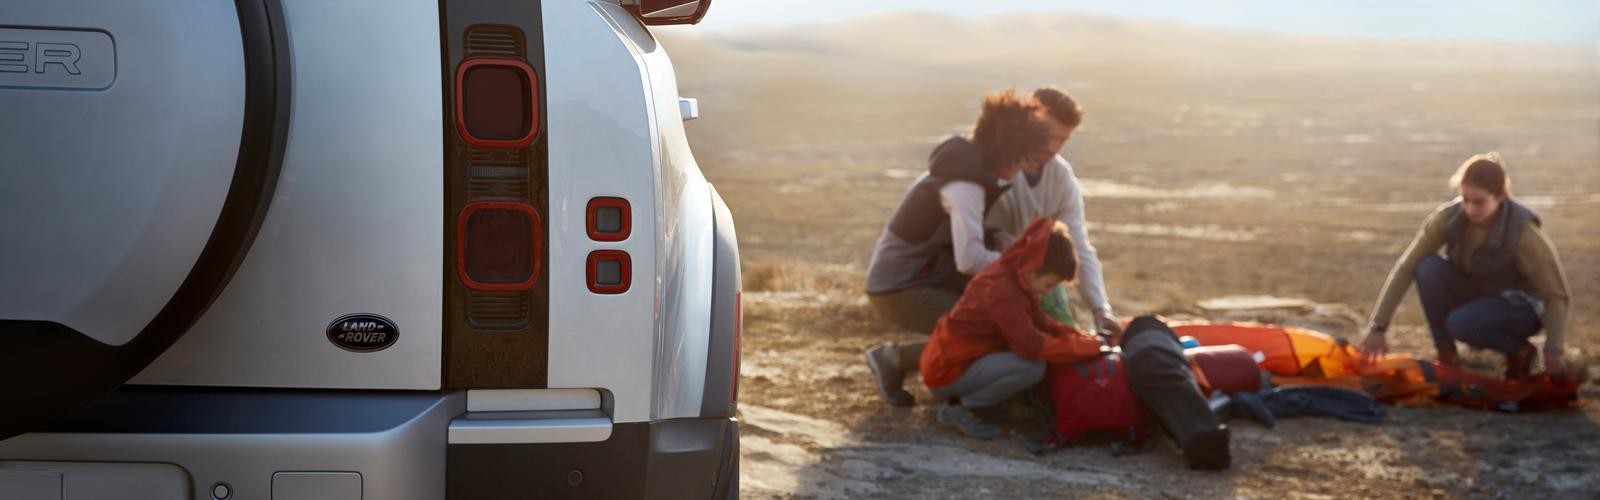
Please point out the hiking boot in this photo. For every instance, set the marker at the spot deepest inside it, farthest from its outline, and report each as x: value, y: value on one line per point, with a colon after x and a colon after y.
x: 888, y: 376
x: 1208, y: 450
x: 967, y: 423
x: 1520, y: 364
x: 994, y: 412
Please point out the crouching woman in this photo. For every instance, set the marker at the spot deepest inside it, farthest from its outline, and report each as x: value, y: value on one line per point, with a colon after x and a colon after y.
x: 994, y: 343
x: 1498, y: 283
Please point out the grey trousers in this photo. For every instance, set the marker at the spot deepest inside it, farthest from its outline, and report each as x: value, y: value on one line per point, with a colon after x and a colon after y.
x: 916, y: 309
x: 992, y: 379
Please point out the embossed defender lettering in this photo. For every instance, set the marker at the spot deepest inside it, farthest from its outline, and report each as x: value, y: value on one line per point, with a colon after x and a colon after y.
x: 56, y: 59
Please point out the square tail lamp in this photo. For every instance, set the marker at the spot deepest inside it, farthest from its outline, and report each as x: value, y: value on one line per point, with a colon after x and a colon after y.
x: 609, y: 219
x: 498, y: 246
x: 497, y: 104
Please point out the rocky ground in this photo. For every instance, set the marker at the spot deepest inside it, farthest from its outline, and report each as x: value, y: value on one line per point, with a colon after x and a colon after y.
x: 1213, y: 164
x: 813, y: 427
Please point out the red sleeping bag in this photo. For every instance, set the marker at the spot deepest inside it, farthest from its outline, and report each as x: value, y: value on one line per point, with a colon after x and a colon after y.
x: 1227, y: 368
x: 1093, y: 396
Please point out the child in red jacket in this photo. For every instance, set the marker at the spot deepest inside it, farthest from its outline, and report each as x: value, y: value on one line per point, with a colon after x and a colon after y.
x: 994, y: 343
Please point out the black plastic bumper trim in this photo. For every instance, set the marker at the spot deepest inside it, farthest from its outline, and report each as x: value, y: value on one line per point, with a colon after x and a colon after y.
x: 726, y: 315
x: 686, y: 458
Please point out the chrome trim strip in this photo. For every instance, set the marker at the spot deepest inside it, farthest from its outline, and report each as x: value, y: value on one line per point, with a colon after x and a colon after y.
x: 530, y: 427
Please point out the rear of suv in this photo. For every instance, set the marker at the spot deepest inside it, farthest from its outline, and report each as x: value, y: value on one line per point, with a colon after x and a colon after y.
x: 339, y: 250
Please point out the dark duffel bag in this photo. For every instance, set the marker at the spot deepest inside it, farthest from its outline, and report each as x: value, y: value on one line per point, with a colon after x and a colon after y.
x: 1162, y: 380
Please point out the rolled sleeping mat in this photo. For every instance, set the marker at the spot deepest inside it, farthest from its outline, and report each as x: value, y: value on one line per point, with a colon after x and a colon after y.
x: 1228, y: 368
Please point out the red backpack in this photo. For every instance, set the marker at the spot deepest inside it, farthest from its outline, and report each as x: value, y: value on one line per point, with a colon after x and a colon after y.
x: 1093, y: 396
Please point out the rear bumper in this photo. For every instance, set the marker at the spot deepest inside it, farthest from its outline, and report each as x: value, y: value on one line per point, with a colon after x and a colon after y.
x: 386, y: 444
x: 685, y: 458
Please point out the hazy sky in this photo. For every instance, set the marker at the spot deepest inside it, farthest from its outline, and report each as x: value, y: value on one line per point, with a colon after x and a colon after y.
x: 1531, y: 20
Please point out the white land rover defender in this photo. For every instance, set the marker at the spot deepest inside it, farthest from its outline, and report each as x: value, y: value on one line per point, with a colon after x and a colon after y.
x: 340, y: 249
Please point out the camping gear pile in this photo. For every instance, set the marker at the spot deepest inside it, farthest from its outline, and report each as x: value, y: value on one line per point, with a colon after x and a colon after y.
x: 1299, y: 357
x: 1188, y: 377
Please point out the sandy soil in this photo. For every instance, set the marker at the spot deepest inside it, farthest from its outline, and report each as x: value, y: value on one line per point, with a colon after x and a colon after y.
x: 1213, y: 164
x: 814, y: 428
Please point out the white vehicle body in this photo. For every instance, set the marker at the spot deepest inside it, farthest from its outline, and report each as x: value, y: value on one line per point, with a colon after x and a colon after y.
x: 337, y: 316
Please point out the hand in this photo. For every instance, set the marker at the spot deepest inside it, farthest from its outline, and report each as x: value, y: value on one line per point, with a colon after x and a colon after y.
x: 1104, y: 321
x: 1373, y: 347
x: 1554, y: 366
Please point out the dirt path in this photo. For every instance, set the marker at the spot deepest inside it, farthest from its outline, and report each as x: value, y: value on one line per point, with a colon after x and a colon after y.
x: 813, y: 428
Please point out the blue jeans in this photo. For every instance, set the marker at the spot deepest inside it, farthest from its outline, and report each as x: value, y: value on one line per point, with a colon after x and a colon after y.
x: 1459, y: 309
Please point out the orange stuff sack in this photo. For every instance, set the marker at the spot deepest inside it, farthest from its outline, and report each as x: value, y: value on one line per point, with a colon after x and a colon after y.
x: 1285, y: 350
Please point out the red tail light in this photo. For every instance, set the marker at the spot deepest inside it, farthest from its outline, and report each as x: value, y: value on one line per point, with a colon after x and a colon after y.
x: 497, y: 246
x: 738, y: 335
x: 610, y: 271
x: 497, y: 103
x: 497, y: 195
x: 610, y: 219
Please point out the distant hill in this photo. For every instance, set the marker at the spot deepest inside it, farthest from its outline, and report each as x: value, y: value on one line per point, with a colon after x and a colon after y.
x: 888, y: 85
x: 1043, y: 40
